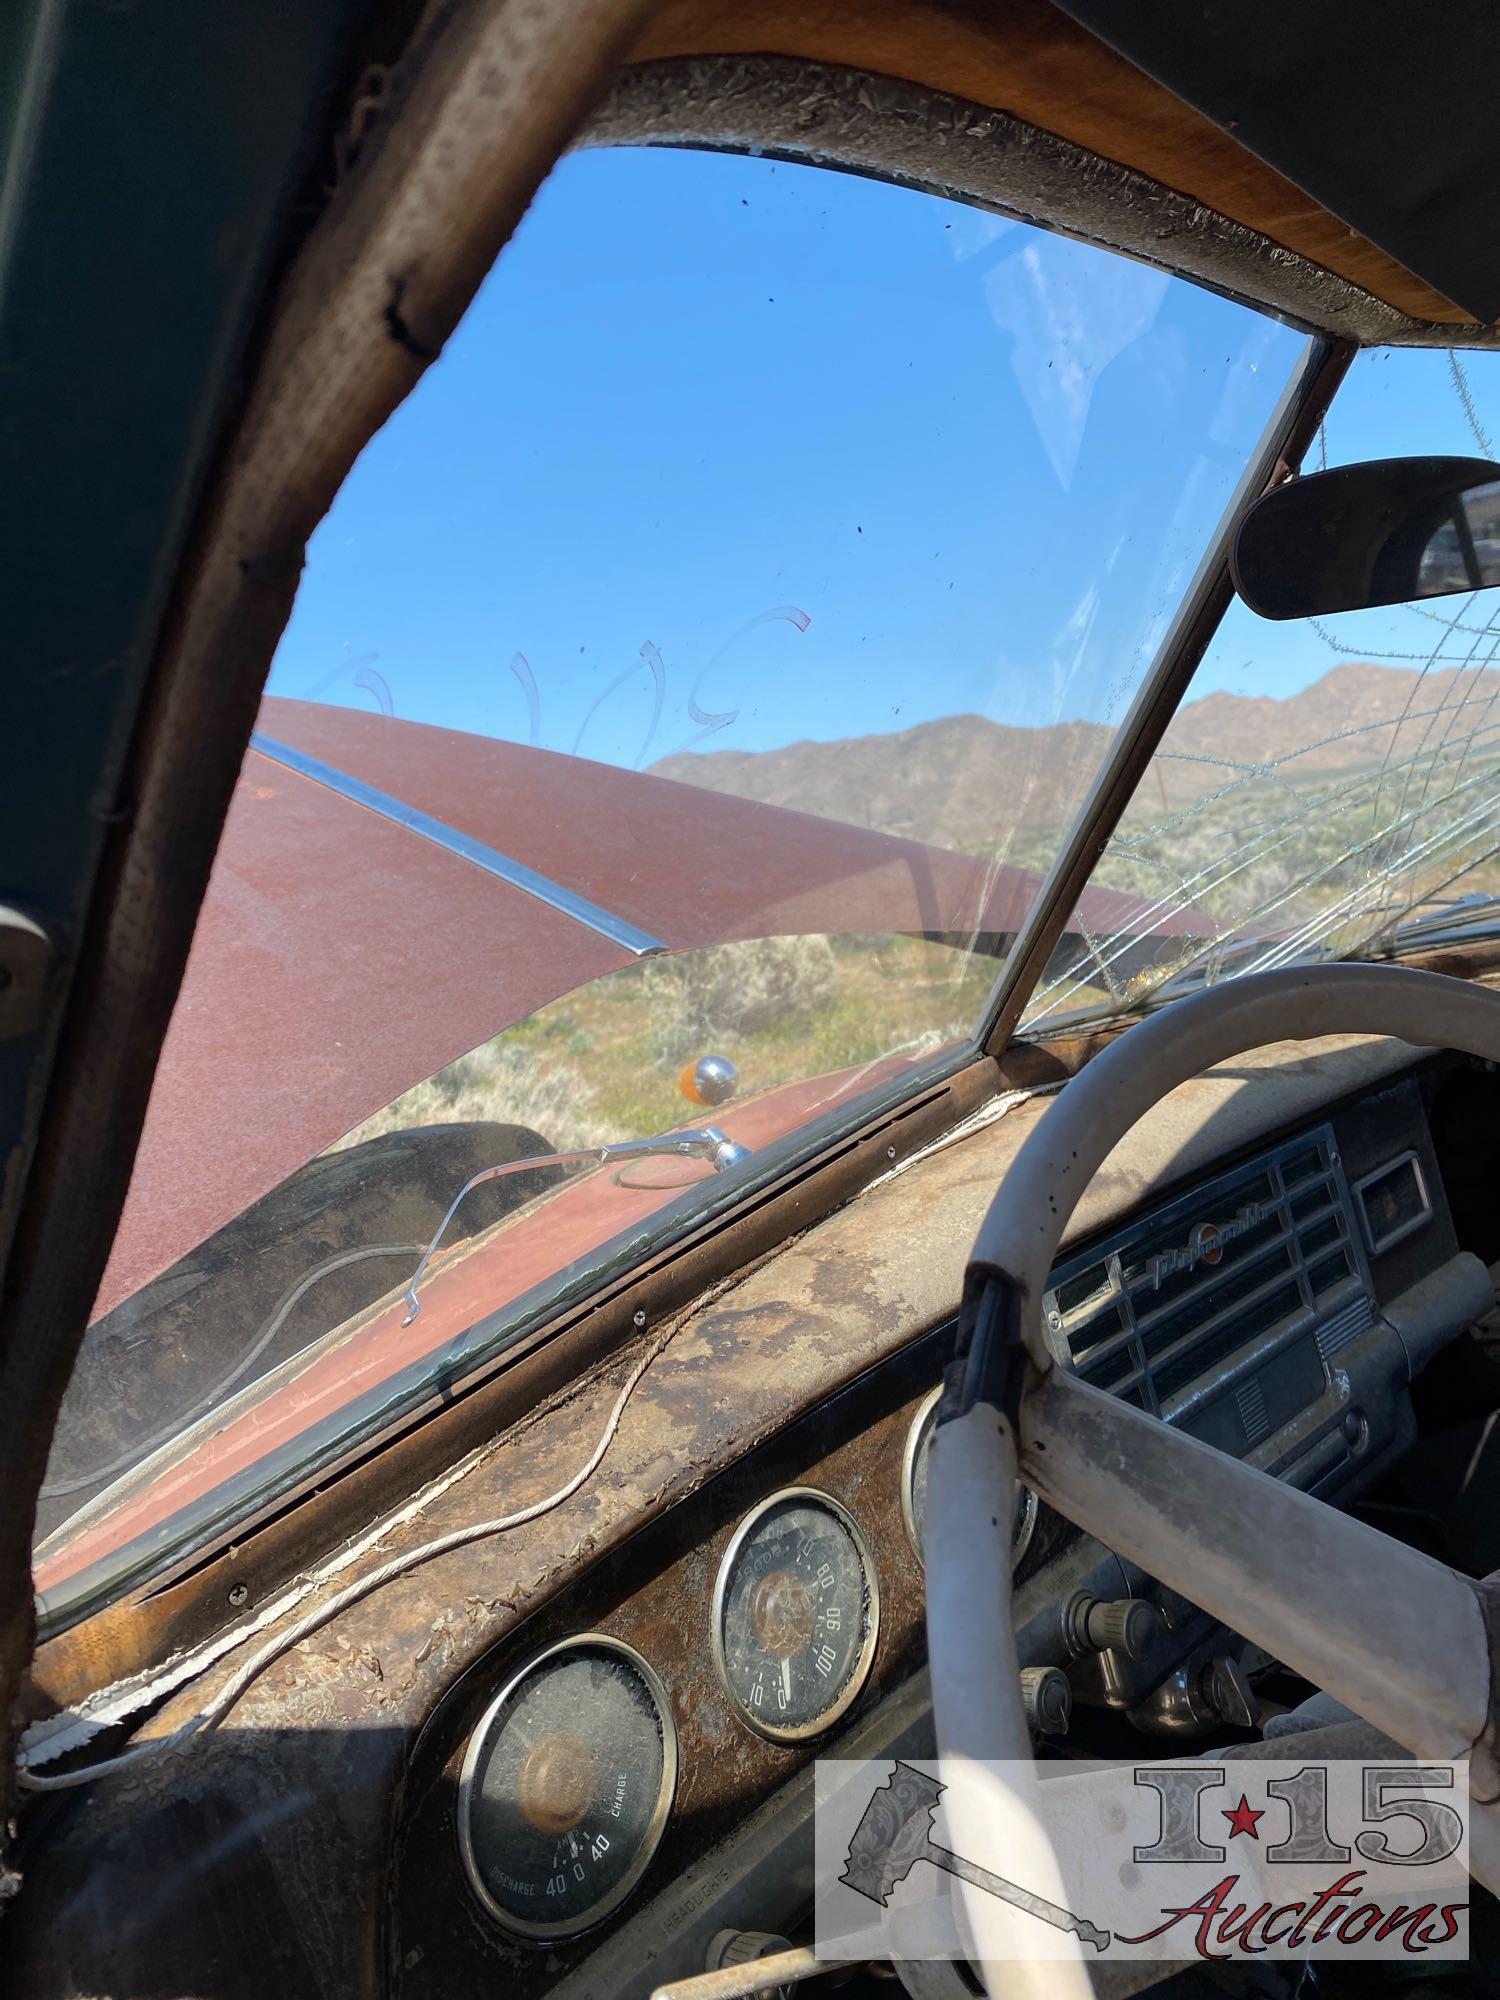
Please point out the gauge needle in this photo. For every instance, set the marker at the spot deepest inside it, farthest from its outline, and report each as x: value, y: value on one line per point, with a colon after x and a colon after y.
x: 786, y: 1677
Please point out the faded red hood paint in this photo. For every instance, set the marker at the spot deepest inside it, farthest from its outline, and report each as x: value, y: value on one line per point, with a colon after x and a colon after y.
x: 340, y: 959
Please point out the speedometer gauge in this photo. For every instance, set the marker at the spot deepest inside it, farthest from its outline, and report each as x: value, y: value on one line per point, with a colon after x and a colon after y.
x: 914, y: 1485
x: 796, y: 1611
x: 566, y: 1786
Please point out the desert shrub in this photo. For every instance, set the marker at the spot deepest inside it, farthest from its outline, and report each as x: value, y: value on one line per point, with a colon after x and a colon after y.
x: 728, y: 992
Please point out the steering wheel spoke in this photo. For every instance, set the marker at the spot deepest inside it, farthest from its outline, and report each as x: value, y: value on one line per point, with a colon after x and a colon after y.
x: 1342, y: 1604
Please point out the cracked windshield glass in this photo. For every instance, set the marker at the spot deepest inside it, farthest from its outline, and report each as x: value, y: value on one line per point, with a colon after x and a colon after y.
x: 682, y: 700
x: 1331, y: 787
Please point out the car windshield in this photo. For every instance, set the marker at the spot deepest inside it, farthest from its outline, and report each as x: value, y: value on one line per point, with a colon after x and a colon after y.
x: 1332, y: 787
x: 684, y: 698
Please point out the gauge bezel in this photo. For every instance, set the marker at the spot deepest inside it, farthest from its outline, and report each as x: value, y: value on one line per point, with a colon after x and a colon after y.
x: 1020, y: 1541
x: 546, y: 1934
x: 821, y: 1724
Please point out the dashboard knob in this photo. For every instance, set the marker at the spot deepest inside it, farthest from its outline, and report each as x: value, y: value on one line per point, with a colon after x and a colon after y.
x: 1047, y: 1699
x: 743, y: 1947
x: 1128, y: 1625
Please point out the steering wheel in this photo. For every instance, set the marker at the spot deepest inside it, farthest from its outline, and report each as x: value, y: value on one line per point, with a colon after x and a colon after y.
x: 1401, y: 1639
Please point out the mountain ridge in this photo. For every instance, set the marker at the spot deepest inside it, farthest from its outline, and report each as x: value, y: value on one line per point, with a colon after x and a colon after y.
x: 966, y: 781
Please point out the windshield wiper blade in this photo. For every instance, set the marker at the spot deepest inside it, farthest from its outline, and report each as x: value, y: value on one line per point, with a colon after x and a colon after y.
x: 707, y: 1143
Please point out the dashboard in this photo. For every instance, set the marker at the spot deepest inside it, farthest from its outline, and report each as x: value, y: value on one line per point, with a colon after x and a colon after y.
x: 631, y: 1777
x: 567, y: 1758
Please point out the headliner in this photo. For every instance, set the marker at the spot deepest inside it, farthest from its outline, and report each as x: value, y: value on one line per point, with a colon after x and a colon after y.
x: 1027, y: 59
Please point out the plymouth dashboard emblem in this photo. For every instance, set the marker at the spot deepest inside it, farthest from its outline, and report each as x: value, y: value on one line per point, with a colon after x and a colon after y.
x: 1205, y: 1244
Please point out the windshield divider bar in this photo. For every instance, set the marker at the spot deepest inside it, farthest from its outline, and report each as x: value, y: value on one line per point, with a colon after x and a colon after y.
x: 1287, y: 436
x: 567, y: 902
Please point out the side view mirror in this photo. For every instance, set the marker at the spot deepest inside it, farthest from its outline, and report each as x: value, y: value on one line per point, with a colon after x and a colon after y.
x: 1384, y: 532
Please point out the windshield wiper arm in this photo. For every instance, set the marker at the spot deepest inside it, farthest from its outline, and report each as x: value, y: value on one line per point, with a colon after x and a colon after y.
x: 708, y: 1143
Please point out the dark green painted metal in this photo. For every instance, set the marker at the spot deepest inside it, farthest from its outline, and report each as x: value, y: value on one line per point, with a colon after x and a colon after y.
x: 150, y: 157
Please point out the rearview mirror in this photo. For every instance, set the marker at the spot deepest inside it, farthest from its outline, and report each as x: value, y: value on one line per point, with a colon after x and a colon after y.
x: 1380, y: 533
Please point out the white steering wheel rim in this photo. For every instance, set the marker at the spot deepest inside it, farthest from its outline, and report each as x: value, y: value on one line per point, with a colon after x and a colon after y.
x: 1084, y: 1450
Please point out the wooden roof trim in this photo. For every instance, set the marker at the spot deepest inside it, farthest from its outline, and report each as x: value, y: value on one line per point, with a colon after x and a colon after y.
x: 1025, y: 58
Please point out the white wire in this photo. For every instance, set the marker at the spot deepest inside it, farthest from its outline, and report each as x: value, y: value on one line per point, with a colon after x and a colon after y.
x: 219, y: 1705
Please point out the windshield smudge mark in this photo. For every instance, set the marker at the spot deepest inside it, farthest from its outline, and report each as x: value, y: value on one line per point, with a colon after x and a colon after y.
x: 652, y: 656
x: 373, y: 684
x: 321, y: 686
x: 711, y: 724
x: 520, y: 666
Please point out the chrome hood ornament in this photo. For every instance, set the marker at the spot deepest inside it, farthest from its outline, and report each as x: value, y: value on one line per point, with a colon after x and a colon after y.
x: 709, y: 1080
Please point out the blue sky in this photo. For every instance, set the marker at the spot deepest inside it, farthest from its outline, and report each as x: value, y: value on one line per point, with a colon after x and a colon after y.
x: 734, y: 453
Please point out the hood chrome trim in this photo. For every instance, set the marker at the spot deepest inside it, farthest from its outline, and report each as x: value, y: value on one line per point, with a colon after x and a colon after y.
x: 639, y: 943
